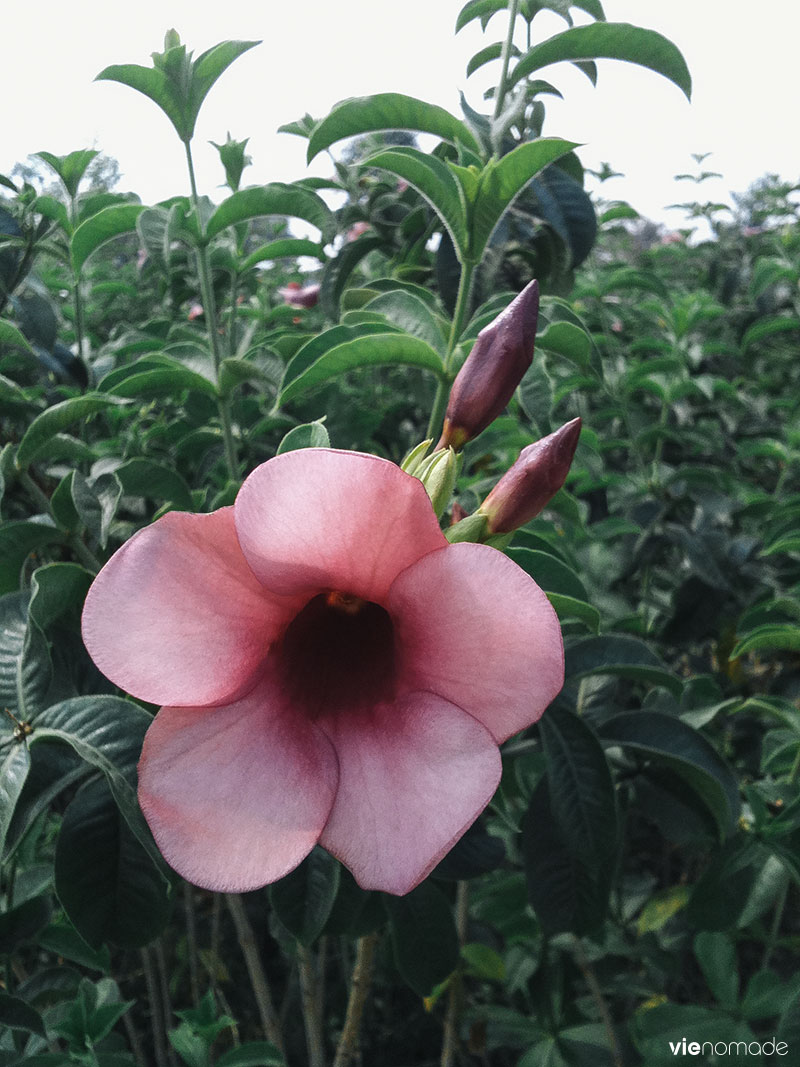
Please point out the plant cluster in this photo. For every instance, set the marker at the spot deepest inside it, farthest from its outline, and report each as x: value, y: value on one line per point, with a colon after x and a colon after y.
x: 633, y: 881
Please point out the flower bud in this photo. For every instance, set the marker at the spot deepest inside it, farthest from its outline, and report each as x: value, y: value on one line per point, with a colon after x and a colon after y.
x: 535, y: 478
x: 438, y: 474
x: 492, y: 371
x: 300, y: 296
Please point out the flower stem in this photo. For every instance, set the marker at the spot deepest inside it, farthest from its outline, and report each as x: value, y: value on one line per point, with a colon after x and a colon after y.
x: 460, y: 314
x: 312, y: 1008
x: 502, y: 87
x: 156, y: 1017
x: 258, y: 978
x: 80, y: 327
x: 359, y: 987
x: 455, y: 1001
x: 210, y: 312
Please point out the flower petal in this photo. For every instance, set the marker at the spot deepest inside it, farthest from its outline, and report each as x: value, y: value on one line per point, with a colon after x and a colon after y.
x: 177, y: 617
x: 413, y: 776
x: 477, y: 630
x: 318, y: 519
x: 236, y: 796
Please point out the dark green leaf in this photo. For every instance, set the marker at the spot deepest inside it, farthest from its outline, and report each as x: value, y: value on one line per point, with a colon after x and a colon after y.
x: 549, y: 572
x: 15, y: 762
x: 16, y: 1014
x: 25, y: 668
x: 424, y: 937
x: 624, y: 657
x: 252, y: 1054
x: 671, y: 742
x: 22, y: 923
x: 96, y: 503
x: 155, y: 481
x: 304, y: 898
x: 717, y: 958
x: 105, y: 880
x: 18, y: 540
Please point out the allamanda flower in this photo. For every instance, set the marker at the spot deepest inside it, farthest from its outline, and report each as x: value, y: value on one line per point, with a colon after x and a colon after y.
x: 331, y: 670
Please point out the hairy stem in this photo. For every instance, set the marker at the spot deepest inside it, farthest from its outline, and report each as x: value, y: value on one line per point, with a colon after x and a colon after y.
x: 212, y: 326
x: 359, y: 988
x: 258, y: 978
x: 502, y: 87
x: 455, y: 999
x: 308, y: 966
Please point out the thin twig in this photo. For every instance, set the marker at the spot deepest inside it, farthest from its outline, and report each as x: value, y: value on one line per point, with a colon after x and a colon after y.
x: 156, y: 1017
x: 455, y: 1000
x: 258, y: 978
x: 134, y: 1040
x: 312, y: 1009
x: 359, y: 987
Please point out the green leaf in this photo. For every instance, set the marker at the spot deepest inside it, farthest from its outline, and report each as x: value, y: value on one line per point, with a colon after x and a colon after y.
x: 96, y: 503
x: 277, y: 198
x: 18, y: 540
x: 411, y: 315
x: 208, y: 67
x: 309, y: 435
x: 54, y: 210
x: 608, y: 40
x: 567, y: 893
x: 16, y: 1014
x: 62, y: 939
x: 674, y: 744
x: 252, y: 1054
x: 25, y: 668
x: 424, y: 937
x: 99, y: 228
x: 107, y: 733
x: 10, y: 335
x: 568, y: 340
x: 487, y: 55
x: 70, y: 168
x: 338, y: 270
x: 581, y: 789
x: 549, y: 572
x: 717, y: 958
x: 22, y: 923
x: 568, y: 607
x: 154, y: 481
x: 105, y: 880
x: 149, y: 380
x: 56, y: 589
x: 479, y: 9
x: 625, y: 657
x: 771, y: 637
x: 15, y: 762
x: 58, y: 418
x: 433, y: 180
x: 303, y: 899
x: 369, y: 351
x: 502, y: 180
x: 387, y: 111
x: 284, y: 248
x: 766, y: 328
x: 484, y: 962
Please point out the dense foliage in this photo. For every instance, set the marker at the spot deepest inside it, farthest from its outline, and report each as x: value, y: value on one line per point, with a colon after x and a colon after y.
x: 634, y: 881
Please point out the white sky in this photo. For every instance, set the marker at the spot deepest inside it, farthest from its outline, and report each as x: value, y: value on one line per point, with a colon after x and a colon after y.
x: 315, y: 52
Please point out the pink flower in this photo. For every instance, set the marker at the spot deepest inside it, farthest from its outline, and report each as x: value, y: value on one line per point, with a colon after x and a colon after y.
x: 300, y: 296
x: 356, y: 230
x: 332, y: 671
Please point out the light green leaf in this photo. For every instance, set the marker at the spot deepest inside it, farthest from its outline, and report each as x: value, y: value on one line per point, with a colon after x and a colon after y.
x: 771, y: 637
x: 309, y: 435
x: 58, y: 418
x: 502, y: 180
x: 622, y: 656
x: 609, y: 40
x: 377, y: 350
x: 10, y: 335
x: 99, y: 228
x: 387, y: 111
x: 277, y: 198
x: 284, y: 248
x: 433, y: 180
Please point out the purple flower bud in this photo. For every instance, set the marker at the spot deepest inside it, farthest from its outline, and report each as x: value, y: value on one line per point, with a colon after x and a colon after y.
x: 535, y: 478
x: 492, y: 371
x: 300, y: 296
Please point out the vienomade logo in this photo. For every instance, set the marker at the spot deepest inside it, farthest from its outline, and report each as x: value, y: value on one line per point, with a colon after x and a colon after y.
x: 729, y: 1048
